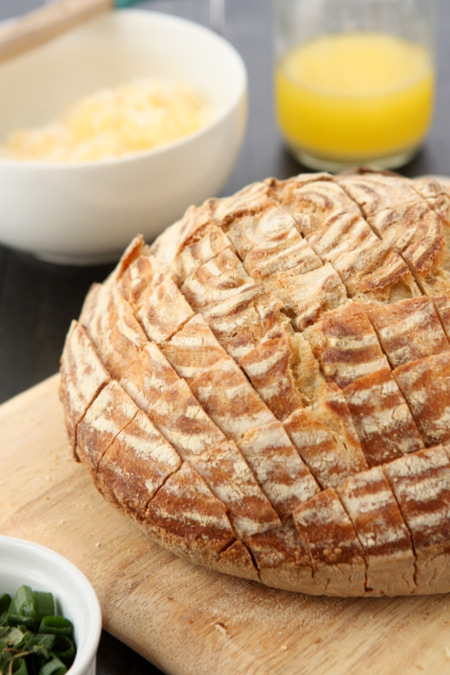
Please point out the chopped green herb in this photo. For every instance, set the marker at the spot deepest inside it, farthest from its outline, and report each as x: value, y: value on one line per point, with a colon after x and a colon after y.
x: 44, y: 605
x: 5, y: 601
x: 58, y: 625
x: 33, y: 639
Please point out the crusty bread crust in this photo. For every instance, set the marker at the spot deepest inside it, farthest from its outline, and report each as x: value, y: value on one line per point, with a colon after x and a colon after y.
x: 265, y: 390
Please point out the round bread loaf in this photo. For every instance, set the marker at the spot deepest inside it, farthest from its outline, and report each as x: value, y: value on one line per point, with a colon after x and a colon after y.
x: 265, y: 389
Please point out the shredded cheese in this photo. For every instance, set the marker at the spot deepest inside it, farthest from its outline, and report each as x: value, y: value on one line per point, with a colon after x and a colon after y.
x: 114, y: 122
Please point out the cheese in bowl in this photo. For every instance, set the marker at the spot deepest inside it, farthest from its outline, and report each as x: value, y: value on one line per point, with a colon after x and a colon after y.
x: 113, y: 122
x: 80, y: 211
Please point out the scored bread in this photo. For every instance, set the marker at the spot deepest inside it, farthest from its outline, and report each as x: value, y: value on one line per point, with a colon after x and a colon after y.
x: 265, y: 389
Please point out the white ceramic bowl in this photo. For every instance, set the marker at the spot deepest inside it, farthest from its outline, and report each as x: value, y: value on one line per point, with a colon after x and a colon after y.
x: 87, y: 213
x: 24, y: 562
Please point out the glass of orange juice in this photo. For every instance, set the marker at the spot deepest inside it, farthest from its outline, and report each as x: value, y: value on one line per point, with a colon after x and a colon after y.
x: 354, y: 80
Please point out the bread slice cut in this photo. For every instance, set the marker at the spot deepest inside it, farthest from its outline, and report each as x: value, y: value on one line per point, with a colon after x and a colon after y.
x: 110, y: 412
x: 272, y: 368
x: 421, y: 484
x: 368, y: 499
x: 409, y: 330
x: 336, y: 230
x: 249, y: 201
x: 346, y: 344
x: 283, y: 559
x: 193, y: 348
x: 437, y: 195
x: 83, y: 376
x: 229, y: 399
x: 278, y: 467
x: 399, y: 215
x: 382, y: 418
x: 376, y: 192
x: 283, y: 253
x: 313, y: 293
x: 185, y: 516
x: 425, y: 384
x: 326, y: 439
x: 336, y: 553
x: 135, y: 465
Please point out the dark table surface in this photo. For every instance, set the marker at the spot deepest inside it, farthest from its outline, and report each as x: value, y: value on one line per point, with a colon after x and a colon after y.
x: 38, y: 300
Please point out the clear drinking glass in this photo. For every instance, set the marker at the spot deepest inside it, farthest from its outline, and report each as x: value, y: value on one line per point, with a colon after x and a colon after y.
x: 354, y: 80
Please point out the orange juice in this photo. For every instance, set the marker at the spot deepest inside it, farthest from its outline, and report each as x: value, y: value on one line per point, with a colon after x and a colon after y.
x: 353, y: 97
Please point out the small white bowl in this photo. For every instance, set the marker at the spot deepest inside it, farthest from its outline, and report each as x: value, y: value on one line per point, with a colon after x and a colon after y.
x: 26, y: 563
x: 85, y: 213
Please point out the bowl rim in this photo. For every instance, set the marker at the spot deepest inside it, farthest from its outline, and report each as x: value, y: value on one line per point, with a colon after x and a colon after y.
x: 217, y: 118
x: 83, y: 658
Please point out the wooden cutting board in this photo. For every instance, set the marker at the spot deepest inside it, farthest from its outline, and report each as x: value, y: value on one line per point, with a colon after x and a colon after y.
x: 183, y: 618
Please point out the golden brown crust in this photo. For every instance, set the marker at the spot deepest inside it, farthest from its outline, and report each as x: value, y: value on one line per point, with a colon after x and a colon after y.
x: 187, y: 518
x: 249, y: 201
x: 265, y: 389
x: 442, y: 307
x: 421, y: 484
x: 228, y: 398
x: 283, y: 559
x: 402, y: 217
x: 409, y: 330
x: 346, y: 345
x: 425, y: 384
x: 108, y: 414
x: 437, y: 194
x: 369, y: 502
x: 231, y: 479
x: 374, y: 272
x: 382, y: 417
x: 135, y: 465
x: 312, y: 294
x: 193, y: 348
x: 278, y: 467
x: 378, y: 192
x: 83, y: 375
x: 336, y: 553
x: 236, y: 560
x: 326, y: 439
x: 270, y: 368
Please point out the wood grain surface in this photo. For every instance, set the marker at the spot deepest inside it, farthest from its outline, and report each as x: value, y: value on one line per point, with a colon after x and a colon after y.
x: 184, y: 618
x: 45, y: 23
